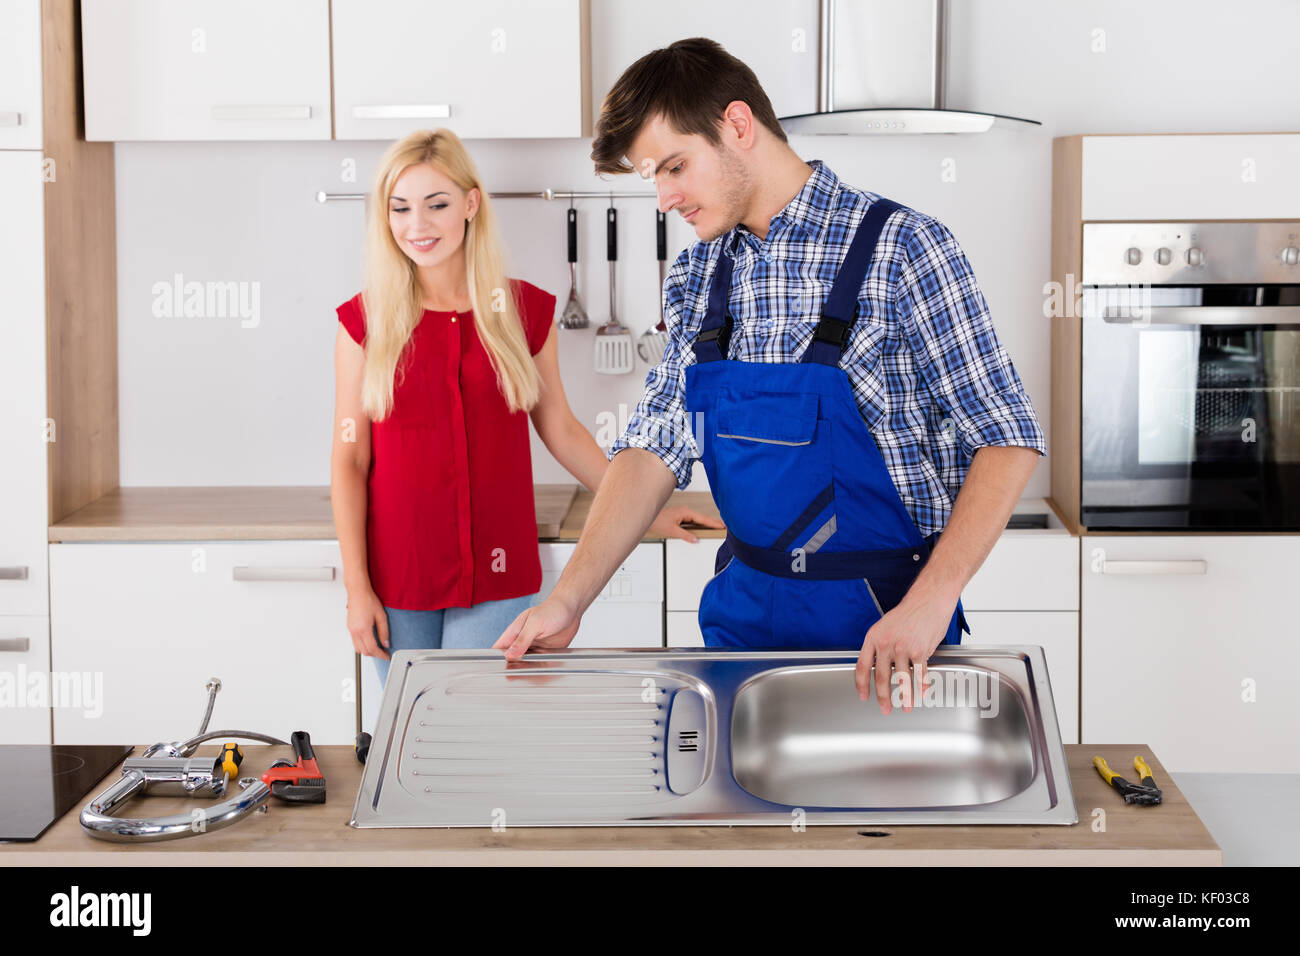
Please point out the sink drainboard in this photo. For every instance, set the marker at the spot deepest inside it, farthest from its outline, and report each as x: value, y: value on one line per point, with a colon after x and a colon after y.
x: 699, y: 735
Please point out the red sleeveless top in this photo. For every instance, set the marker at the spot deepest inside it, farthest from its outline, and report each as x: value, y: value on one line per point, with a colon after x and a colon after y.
x: 450, y: 520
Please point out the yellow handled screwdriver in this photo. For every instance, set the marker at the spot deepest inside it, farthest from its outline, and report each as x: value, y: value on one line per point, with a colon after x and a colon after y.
x: 231, y: 758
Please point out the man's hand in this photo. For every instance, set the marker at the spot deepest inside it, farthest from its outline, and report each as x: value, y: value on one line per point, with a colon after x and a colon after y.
x: 546, y: 627
x: 669, y: 521
x: 904, y: 639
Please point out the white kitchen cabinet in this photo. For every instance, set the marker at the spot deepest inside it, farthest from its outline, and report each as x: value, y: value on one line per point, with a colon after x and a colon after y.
x: 206, y: 69
x: 156, y: 620
x: 20, y: 74
x: 1189, y: 646
x: 628, y: 612
x: 777, y: 39
x: 23, y: 475
x: 1057, y: 633
x: 25, y: 700
x: 683, y: 629
x: 1027, y: 570
x: 494, y: 68
x: 687, y: 568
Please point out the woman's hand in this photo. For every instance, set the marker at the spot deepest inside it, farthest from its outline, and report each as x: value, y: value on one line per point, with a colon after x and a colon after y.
x: 366, y: 615
x: 668, y: 523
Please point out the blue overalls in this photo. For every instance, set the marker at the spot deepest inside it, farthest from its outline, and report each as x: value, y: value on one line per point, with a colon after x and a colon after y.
x: 819, y: 545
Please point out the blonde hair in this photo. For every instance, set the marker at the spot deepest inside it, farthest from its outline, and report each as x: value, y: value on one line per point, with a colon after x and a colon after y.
x: 392, y: 297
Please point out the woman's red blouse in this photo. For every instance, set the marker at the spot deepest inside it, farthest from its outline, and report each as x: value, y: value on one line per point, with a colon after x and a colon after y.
x: 450, y: 520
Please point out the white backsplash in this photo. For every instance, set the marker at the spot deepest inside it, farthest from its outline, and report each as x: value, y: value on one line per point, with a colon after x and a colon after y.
x: 247, y: 399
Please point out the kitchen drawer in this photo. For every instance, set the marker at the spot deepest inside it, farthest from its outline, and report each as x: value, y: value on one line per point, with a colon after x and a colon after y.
x: 638, y: 580
x: 20, y: 76
x: 629, y: 610
x: 1057, y: 633
x: 1189, y: 647
x: 156, y: 620
x: 25, y: 687
x: 688, y: 568
x: 1027, y: 571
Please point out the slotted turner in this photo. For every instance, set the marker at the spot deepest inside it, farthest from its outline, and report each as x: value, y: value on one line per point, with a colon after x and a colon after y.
x: 613, y: 353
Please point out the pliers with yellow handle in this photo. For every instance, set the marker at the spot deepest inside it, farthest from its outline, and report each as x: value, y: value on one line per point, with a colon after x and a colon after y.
x: 1145, y: 794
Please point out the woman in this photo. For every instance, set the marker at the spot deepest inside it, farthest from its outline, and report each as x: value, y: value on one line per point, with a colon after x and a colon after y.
x: 436, y: 362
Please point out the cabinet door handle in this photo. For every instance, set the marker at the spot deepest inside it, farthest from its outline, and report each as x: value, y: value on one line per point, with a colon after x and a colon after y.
x: 245, y: 573
x: 9, y: 118
x: 19, y: 645
x: 261, y: 112
x: 1192, y: 566
x: 404, y: 111
x: 15, y: 573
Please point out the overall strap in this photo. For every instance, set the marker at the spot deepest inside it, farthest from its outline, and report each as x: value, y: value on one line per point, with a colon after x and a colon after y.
x: 715, y: 333
x: 841, y: 310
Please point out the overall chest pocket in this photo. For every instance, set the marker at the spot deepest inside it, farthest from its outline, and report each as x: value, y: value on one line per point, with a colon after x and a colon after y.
x: 772, y: 452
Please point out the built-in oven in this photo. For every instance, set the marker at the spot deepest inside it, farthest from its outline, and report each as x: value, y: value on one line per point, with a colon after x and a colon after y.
x: 1191, y: 376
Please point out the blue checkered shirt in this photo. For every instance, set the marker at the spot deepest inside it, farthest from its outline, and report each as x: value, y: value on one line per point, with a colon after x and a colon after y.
x: 931, y: 379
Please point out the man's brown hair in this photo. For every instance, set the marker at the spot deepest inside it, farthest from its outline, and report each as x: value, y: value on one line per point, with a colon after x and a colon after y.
x: 690, y: 83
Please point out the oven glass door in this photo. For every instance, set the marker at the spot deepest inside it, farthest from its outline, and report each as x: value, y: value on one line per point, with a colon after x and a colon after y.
x: 1190, y: 416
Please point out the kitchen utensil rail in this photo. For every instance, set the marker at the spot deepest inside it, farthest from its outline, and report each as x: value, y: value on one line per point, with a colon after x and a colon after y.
x: 549, y: 194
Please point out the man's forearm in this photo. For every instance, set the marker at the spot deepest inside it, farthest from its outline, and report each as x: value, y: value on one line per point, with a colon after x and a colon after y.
x: 997, y: 476
x: 631, y: 493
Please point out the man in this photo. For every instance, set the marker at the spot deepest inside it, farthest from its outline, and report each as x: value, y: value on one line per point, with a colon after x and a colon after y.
x: 838, y: 356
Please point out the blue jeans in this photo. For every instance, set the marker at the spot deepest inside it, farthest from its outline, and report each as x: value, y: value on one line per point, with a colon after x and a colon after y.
x: 448, y: 628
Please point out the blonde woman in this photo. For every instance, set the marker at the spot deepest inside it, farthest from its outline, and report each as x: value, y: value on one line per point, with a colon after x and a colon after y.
x: 436, y: 362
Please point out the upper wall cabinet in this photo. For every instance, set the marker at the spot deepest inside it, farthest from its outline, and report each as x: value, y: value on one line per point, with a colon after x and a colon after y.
x: 777, y: 39
x: 492, y: 68
x: 207, y: 69
x: 20, y: 74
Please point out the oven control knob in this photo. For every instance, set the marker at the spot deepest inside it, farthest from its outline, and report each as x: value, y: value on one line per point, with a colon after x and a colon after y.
x: 1195, y: 257
x: 1163, y: 256
x: 1133, y: 256
x: 1291, y: 255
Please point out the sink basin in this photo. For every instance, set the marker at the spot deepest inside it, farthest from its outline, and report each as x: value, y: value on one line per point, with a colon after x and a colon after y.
x: 695, y: 736
x: 800, y: 736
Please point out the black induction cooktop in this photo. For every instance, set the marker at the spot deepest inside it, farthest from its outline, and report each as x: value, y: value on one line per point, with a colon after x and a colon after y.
x: 39, y: 784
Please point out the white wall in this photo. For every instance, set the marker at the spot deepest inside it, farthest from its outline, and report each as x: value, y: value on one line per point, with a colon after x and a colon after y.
x: 208, y: 401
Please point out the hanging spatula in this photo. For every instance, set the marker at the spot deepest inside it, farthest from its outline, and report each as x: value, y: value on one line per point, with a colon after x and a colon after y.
x: 574, y: 315
x: 613, y: 354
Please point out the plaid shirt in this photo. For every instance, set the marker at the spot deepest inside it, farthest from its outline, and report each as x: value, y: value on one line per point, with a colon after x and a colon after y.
x: 931, y: 379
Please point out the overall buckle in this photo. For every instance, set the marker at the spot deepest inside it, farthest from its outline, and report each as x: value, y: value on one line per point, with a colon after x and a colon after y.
x: 832, y: 330
x: 722, y: 334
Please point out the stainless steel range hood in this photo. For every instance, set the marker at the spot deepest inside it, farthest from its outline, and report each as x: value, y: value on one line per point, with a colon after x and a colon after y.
x: 883, y: 66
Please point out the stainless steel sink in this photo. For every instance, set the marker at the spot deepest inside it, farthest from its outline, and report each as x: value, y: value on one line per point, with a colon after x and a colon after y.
x: 698, y: 736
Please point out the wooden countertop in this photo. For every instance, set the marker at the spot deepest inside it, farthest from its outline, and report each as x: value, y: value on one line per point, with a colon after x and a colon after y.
x: 288, y: 512
x: 701, y: 501
x: 1167, y: 835
x: 236, y: 513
